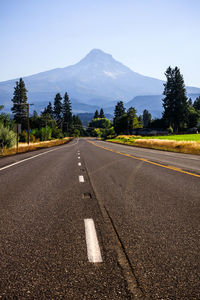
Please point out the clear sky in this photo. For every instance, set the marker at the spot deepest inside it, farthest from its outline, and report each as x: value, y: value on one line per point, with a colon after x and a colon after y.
x: 145, y: 35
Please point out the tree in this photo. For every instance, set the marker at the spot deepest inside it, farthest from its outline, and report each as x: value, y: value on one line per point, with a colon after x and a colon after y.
x: 101, y: 114
x: 193, y: 117
x: 49, y: 110
x: 190, y: 101
x: 57, y: 110
x: 132, y: 119
x: 175, y: 101
x: 97, y: 126
x: 67, y: 115
x: 96, y: 114
x: 19, y: 100
x: 196, y: 103
x: 77, y: 125
x: 118, y: 113
x: 147, y: 118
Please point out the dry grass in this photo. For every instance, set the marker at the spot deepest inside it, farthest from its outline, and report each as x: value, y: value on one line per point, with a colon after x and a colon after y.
x: 24, y: 147
x: 175, y: 146
x: 191, y: 147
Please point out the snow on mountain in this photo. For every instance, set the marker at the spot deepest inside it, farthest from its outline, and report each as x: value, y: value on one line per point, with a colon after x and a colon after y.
x: 97, y: 80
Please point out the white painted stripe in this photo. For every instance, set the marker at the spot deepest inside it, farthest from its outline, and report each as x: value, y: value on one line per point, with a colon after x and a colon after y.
x: 81, y: 178
x: 93, y: 249
x: 78, y: 157
x: 21, y: 161
x: 79, y: 164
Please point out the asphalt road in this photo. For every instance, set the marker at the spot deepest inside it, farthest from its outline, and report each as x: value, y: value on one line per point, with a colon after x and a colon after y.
x: 145, y: 209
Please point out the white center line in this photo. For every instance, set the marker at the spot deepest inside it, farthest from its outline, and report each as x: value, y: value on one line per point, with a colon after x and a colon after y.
x: 79, y: 164
x: 93, y: 249
x: 78, y: 157
x: 81, y: 178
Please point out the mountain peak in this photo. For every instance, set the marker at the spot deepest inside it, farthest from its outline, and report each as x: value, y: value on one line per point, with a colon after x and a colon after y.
x: 97, y: 54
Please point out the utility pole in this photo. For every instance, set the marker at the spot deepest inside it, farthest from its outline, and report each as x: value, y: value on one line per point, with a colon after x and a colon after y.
x: 28, y: 122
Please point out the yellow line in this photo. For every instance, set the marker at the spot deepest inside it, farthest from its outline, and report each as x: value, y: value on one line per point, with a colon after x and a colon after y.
x: 147, y: 161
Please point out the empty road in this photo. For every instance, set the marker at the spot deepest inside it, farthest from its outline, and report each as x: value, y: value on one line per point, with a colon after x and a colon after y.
x: 95, y: 220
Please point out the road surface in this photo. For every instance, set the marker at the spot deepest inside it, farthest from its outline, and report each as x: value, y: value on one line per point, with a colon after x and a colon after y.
x: 95, y: 220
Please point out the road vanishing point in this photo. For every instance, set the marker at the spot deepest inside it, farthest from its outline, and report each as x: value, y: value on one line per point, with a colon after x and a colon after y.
x: 96, y: 220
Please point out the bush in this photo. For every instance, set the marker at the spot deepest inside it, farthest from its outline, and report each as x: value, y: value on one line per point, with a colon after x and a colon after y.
x: 7, y: 136
x: 23, y: 137
x: 45, y: 133
x: 57, y: 133
x: 76, y: 133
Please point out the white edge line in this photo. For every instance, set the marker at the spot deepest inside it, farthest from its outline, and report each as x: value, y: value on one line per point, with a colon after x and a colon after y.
x: 93, y: 249
x: 81, y: 178
x: 19, y: 162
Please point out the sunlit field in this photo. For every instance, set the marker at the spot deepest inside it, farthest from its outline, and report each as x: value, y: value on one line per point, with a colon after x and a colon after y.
x: 185, y: 143
x: 24, y: 147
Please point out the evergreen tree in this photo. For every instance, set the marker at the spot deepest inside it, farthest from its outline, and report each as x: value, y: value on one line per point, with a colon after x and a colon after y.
x: 193, y: 117
x: 57, y: 110
x: 101, y: 114
x: 147, y: 118
x: 118, y: 114
x: 19, y: 100
x: 140, y: 121
x: 67, y: 115
x: 77, y: 125
x: 175, y: 101
x: 196, y: 103
x: 190, y: 101
x: 96, y: 114
x: 132, y: 119
x: 49, y: 110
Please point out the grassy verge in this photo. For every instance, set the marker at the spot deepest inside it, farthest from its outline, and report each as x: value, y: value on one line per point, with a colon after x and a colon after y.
x: 24, y: 147
x: 176, y: 143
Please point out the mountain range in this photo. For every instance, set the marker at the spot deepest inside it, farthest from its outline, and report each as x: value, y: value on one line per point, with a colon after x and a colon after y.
x: 98, y: 80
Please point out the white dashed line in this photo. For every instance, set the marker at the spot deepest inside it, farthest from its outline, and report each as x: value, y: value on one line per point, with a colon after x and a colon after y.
x: 81, y: 178
x: 79, y: 164
x: 93, y: 249
x: 78, y: 157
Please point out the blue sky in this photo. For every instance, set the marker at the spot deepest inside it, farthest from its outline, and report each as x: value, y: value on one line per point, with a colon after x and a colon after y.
x: 145, y: 35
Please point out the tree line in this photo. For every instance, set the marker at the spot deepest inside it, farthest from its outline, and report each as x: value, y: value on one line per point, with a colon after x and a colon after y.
x: 57, y: 120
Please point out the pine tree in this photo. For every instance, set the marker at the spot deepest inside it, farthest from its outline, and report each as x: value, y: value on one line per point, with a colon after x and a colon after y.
x: 196, y: 103
x: 147, y: 118
x: 101, y: 114
x: 19, y: 100
x: 132, y: 119
x: 175, y: 102
x: 77, y: 124
x: 118, y: 113
x: 57, y: 110
x: 96, y: 114
x: 67, y: 115
x: 49, y: 110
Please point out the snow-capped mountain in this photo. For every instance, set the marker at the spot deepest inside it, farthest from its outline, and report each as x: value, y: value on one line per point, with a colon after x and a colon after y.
x: 97, y: 80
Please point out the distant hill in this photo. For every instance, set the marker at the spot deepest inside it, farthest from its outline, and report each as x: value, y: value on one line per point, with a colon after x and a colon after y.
x: 98, y: 80
x: 152, y: 103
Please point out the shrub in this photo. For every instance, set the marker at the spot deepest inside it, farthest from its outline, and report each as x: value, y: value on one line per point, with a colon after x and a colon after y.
x: 7, y: 136
x: 23, y: 137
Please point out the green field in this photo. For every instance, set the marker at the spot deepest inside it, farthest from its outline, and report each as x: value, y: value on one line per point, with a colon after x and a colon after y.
x: 184, y: 143
x: 181, y: 137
